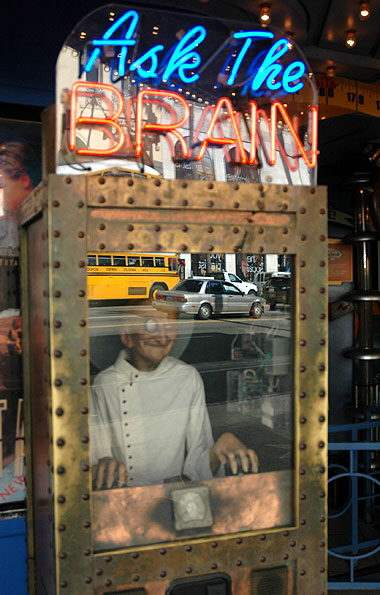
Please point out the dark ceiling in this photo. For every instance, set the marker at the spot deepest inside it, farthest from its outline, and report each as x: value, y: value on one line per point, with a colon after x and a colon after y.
x: 33, y: 33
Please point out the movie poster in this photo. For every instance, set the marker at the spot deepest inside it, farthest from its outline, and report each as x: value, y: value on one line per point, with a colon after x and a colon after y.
x: 20, y: 172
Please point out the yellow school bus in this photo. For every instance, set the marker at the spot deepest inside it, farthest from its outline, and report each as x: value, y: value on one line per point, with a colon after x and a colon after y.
x: 115, y: 277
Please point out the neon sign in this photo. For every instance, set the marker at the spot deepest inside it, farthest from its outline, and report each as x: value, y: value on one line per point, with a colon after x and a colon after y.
x: 261, y: 69
x: 115, y: 129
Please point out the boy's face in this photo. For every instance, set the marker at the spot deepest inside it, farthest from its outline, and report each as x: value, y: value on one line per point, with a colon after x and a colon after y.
x: 152, y: 343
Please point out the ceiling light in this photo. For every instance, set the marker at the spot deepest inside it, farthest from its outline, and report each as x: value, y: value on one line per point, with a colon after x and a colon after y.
x: 351, y: 38
x: 364, y: 12
x: 330, y: 70
x: 265, y: 16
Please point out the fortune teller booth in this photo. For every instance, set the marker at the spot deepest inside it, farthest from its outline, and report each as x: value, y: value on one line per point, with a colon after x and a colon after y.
x: 175, y: 424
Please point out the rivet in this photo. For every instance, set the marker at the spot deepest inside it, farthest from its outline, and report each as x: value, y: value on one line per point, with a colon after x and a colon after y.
x: 108, y: 582
x: 84, y: 439
x: 184, y: 228
x: 86, y: 524
x: 322, y: 263
x: 62, y: 555
x: 55, y: 203
x: 303, y: 316
x: 57, y: 382
x: 61, y: 527
x: 303, y: 547
x: 238, y: 562
x: 303, y: 237
x: 210, y: 248
x: 322, y: 316
x: 57, y: 353
x: 261, y: 249
x: 322, y: 494
x: 130, y: 182
x: 102, y: 226
x: 214, y: 566
x: 322, y: 341
x: 163, y: 573
x: 286, y: 533
x: 157, y: 201
x: 322, y: 569
x: 83, y: 381
x: 60, y: 442
x: 99, y: 571
x: 56, y: 264
x: 81, y: 234
x: 85, y: 497
x: 88, y: 579
x: 263, y: 537
x: 136, y: 578
x: 303, y: 497
x: 210, y: 203
x: 303, y: 342
x: 302, y: 210
x: 210, y: 185
x: 322, y: 469
x: 322, y: 238
x: 85, y: 467
x: 61, y: 470
x: 157, y: 228
x: 210, y: 229
x: 130, y: 246
x: 303, y: 446
x: 303, y: 420
x: 130, y: 200
x: 322, y: 290
x: 56, y: 233
x: 189, y: 548
x: 102, y: 199
x: 81, y: 293
x: 260, y: 205
x: 189, y: 570
x: 59, y: 411
x: 239, y: 541
x: 183, y: 248
x: 157, y: 182
x: 312, y: 190
x: 63, y: 584
x: 302, y: 290
x: 80, y: 204
x: 130, y: 227
x: 260, y: 188
x: 303, y: 522
x: 302, y: 572
x: 235, y: 230
x: 302, y: 264
x: 322, y: 393
x: 162, y: 551
x: 83, y: 352
x: 302, y: 369
x: 214, y: 544
x: 285, y: 556
x: 82, y: 323
x: 302, y: 471
x: 107, y: 559
x: 102, y: 246
x: 322, y: 211
x: 185, y: 202
x: 61, y: 499
x: 262, y: 558
x: 285, y: 230
x: 260, y: 230
x: 322, y: 544
x: 321, y: 444
x: 236, y: 205
x: 102, y: 181
x: 81, y: 264
x: 87, y: 552
x: 184, y: 184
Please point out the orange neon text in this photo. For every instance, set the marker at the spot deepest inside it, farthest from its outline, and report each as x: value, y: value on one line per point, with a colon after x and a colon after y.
x: 124, y: 124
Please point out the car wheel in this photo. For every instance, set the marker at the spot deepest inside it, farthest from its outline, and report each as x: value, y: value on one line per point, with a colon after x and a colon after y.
x: 252, y: 292
x: 156, y: 287
x: 256, y: 310
x: 204, y: 312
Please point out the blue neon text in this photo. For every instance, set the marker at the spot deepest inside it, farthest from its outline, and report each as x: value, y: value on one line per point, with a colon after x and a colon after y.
x: 183, y: 62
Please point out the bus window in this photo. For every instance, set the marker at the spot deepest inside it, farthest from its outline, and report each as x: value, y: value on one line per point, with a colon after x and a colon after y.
x: 173, y: 264
x: 91, y: 260
x: 104, y: 261
x: 133, y: 261
x: 159, y: 261
x: 119, y: 261
x: 147, y: 261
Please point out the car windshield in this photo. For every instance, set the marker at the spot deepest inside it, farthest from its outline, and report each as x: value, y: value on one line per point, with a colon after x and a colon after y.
x: 193, y: 285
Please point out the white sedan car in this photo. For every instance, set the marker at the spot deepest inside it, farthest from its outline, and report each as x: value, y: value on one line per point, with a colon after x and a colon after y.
x: 203, y: 298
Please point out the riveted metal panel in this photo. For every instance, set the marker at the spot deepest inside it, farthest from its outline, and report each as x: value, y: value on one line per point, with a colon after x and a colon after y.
x: 82, y: 214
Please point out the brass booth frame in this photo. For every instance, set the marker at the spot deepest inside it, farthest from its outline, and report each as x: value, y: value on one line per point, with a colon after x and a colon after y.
x: 63, y: 220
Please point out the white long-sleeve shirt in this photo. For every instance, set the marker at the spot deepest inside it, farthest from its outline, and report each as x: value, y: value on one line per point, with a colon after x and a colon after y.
x: 156, y: 422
